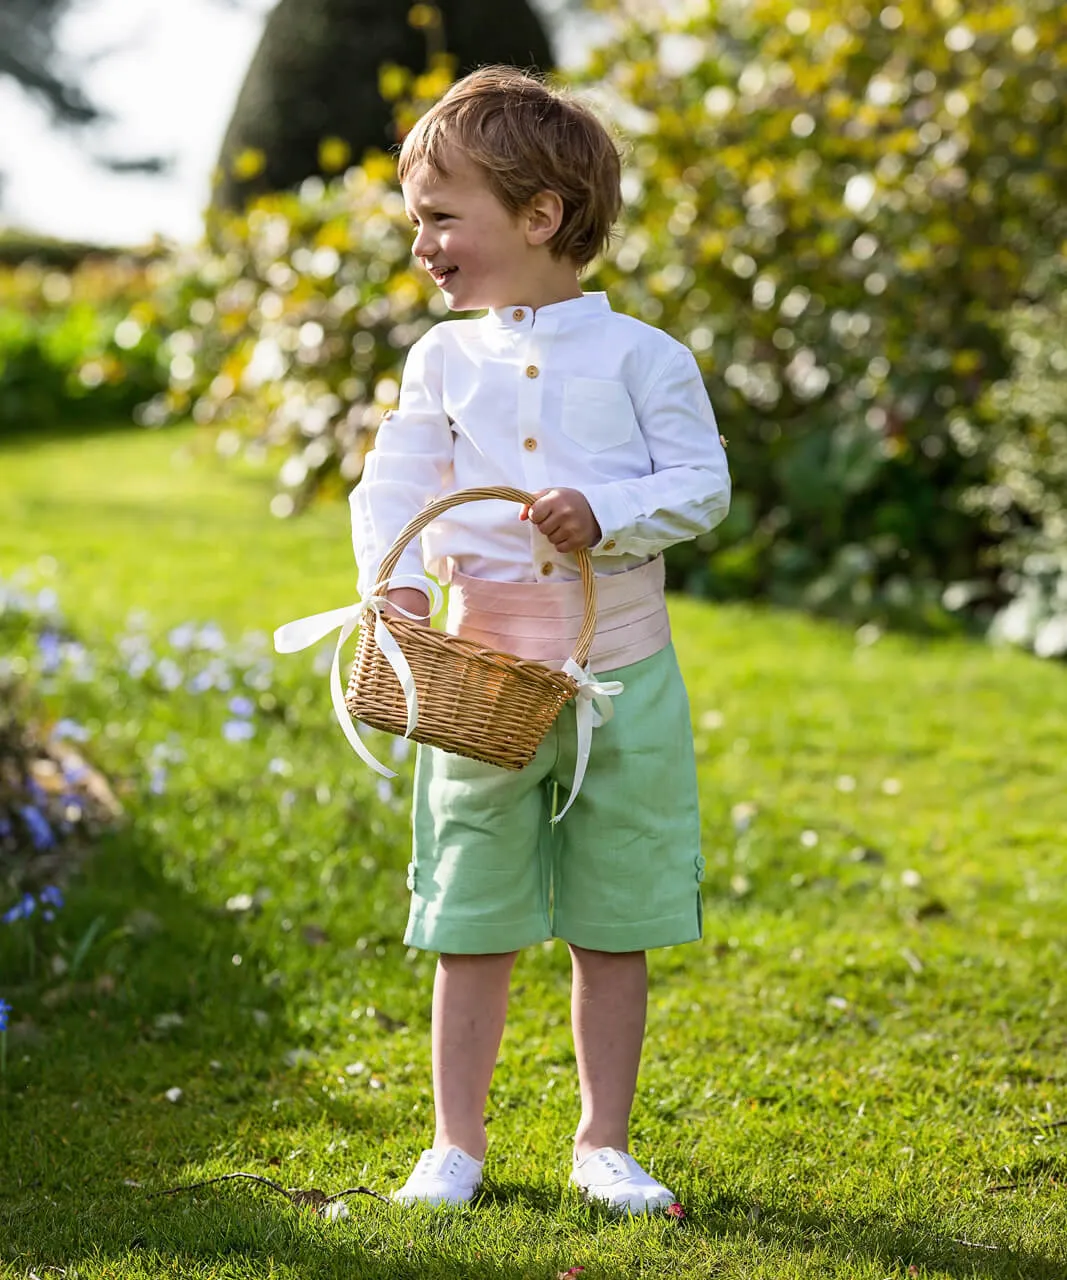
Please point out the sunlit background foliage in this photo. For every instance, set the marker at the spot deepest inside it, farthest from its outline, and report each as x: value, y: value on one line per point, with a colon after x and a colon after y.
x: 854, y: 215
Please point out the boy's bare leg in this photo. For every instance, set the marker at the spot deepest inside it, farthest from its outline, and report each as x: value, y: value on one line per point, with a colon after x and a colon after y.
x: 609, y: 994
x: 470, y: 1003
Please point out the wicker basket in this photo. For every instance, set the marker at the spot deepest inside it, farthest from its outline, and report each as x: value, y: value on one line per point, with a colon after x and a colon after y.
x: 473, y: 701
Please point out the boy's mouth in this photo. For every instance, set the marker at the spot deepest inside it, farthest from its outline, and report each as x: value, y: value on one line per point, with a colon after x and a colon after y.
x: 441, y: 274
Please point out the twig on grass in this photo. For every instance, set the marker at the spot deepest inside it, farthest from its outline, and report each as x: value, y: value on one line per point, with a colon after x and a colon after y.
x: 311, y: 1198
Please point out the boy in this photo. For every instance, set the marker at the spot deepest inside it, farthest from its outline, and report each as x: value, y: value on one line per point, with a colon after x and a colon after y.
x: 512, y: 191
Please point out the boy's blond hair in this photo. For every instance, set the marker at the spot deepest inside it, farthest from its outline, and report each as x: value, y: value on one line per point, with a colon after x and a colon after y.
x: 526, y: 138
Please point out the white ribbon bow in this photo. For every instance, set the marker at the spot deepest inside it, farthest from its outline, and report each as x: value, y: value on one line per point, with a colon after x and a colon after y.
x: 592, y: 709
x: 297, y: 635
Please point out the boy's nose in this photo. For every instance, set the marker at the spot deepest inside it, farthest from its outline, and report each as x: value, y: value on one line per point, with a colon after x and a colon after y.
x: 423, y: 246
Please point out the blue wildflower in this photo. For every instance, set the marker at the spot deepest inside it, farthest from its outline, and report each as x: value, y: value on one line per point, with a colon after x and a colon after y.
x: 210, y: 637
x: 169, y: 674
x: 47, y: 600
x: 48, y: 646
x: 52, y: 895
x: 201, y: 682
x: 22, y: 910
x: 220, y: 674
x: 138, y: 665
x: 67, y: 728
x: 182, y: 637
x: 158, y: 781
x: 5, y: 1011
x: 238, y: 730
x: 241, y: 706
x: 40, y: 832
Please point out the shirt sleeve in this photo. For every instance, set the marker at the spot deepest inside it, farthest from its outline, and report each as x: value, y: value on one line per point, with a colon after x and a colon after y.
x: 407, y: 467
x: 688, y: 490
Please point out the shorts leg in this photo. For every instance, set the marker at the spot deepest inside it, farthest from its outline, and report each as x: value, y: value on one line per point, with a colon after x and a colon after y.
x: 627, y: 864
x: 479, y: 874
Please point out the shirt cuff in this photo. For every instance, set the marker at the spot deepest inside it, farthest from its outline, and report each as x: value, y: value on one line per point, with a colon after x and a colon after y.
x: 613, y: 514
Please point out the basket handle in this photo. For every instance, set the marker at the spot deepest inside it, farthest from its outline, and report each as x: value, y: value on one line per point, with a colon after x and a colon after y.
x: 433, y: 509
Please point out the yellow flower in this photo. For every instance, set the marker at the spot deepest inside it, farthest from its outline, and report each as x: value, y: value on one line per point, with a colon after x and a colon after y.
x: 393, y: 81
x: 248, y: 163
x: 334, y: 154
x: 424, y: 15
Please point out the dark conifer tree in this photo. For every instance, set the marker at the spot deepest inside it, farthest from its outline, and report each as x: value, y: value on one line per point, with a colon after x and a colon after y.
x: 315, y: 75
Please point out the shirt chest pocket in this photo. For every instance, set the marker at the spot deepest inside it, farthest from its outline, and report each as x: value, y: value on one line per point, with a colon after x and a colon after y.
x: 597, y: 414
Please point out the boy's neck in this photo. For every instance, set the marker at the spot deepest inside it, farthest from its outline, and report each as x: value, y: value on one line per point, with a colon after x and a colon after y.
x: 558, y: 282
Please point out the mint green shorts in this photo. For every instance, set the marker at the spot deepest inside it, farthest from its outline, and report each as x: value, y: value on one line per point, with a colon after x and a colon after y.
x: 622, y: 870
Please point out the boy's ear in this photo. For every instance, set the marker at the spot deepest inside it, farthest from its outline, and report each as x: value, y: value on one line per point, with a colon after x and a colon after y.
x: 544, y: 214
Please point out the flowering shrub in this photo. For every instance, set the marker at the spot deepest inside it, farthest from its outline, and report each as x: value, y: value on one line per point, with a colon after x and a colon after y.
x: 289, y: 331
x: 834, y: 207
x: 51, y: 799
x: 1022, y: 420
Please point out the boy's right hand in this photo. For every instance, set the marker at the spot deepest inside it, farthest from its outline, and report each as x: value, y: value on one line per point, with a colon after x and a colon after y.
x: 411, y: 599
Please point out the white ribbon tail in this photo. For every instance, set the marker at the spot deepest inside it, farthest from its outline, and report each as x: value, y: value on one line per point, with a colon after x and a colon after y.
x: 297, y: 635
x: 394, y: 655
x: 337, y: 697
x: 593, y: 708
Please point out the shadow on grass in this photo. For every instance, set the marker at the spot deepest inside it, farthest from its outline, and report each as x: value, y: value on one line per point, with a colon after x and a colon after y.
x: 894, y: 1246
x: 158, y: 1004
x: 65, y: 428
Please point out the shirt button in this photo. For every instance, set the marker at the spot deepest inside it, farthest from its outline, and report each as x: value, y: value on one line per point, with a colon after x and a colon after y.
x: 532, y: 371
x: 546, y: 568
x: 529, y: 444
x: 518, y: 313
x: 609, y: 545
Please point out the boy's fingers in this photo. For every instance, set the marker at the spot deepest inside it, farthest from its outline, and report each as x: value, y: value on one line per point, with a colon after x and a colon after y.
x: 527, y: 513
x: 541, y: 511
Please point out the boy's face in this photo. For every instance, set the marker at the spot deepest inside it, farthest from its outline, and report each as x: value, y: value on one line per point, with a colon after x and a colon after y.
x: 476, y: 250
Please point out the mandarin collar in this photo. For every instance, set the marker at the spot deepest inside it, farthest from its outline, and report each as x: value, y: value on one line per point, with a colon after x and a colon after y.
x: 554, y: 314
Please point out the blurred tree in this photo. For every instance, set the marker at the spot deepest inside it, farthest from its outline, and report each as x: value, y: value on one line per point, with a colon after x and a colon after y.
x: 28, y: 54
x: 318, y: 91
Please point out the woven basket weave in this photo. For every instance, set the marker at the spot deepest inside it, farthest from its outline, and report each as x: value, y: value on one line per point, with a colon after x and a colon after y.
x: 473, y: 701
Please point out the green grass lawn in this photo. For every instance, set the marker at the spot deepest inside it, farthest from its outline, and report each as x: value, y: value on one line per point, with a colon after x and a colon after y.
x: 859, y: 1073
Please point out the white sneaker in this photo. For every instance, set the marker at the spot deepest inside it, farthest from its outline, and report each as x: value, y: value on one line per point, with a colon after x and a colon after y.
x: 615, y: 1178
x: 441, y: 1177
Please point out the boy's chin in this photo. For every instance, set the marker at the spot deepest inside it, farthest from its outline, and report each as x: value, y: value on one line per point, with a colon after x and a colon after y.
x: 460, y: 299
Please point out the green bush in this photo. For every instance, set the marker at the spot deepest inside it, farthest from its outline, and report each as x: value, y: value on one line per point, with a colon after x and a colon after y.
x: 77, y: 345
x: 1023, y: 421
x: 834, y: 207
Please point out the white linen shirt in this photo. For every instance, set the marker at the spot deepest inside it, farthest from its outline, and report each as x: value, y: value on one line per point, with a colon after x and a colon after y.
x: 574, y: 396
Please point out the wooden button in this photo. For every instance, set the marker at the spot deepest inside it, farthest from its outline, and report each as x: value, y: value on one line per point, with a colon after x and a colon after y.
x: 518, y: 313
x: 532, y: 371
x: 609, y: 545
x: 529, y: 444
x: 546, y: 568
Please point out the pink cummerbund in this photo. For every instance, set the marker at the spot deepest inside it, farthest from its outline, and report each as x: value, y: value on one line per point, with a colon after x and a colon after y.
x: 539, y: 621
